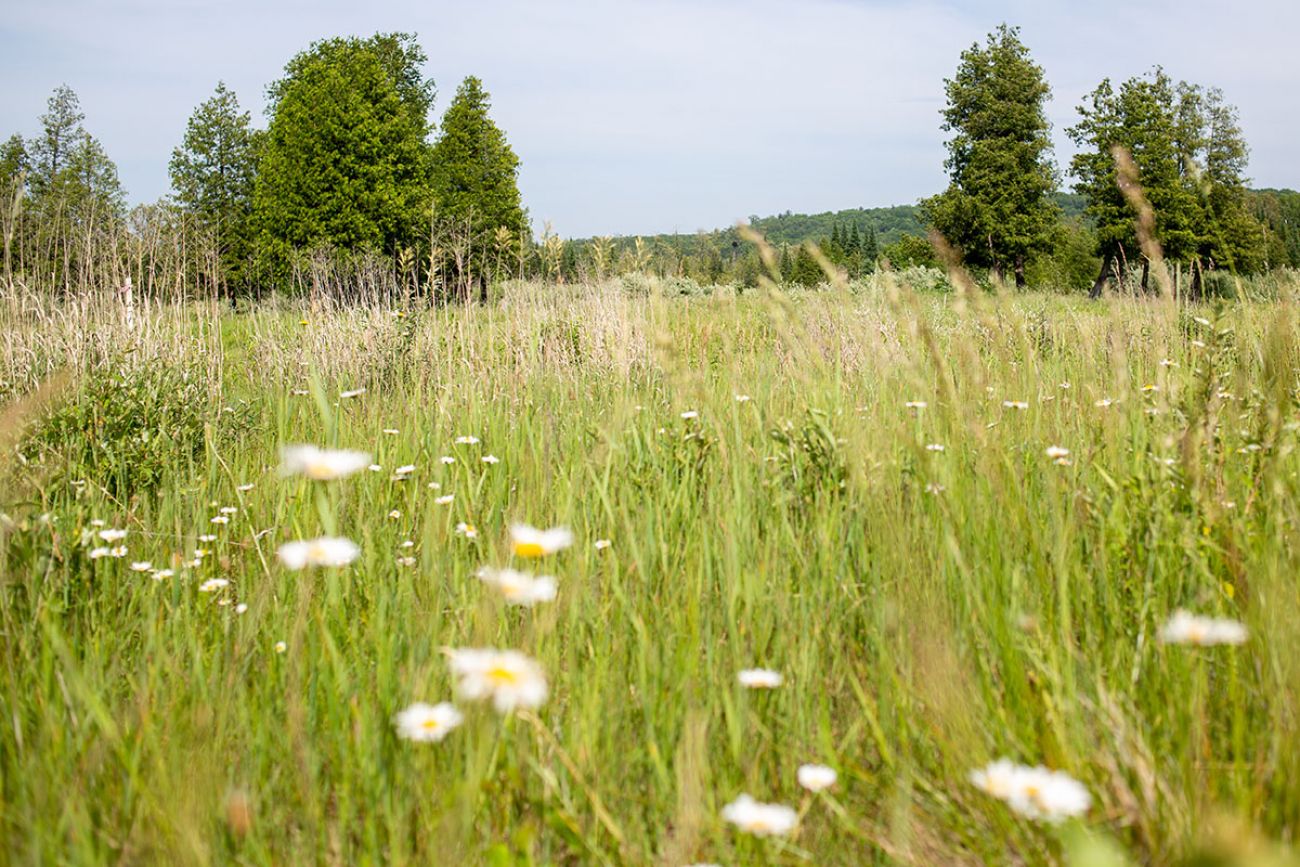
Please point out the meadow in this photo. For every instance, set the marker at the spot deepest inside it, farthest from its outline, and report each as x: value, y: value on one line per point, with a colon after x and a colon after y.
x: 957, y: 526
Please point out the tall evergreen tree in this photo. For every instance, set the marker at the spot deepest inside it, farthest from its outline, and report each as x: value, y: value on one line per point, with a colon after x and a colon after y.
x: 212, y: 174
x: 475, y: 187
x: 998, y: 207
x: 1189, y: 155
x: 346, y: 160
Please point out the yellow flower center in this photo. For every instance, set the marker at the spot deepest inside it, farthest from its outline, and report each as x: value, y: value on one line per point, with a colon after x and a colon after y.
x: 529, y: 549
x: 429, y: 724
x: 502, y: 676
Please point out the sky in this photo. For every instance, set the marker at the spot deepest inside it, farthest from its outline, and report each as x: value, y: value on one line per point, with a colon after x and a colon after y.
x: 644, y: 116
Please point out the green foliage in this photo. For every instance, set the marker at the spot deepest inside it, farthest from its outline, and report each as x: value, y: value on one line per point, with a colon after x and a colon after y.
x: 126, y: 429
x: 909, y: 251
x: 212, y: 174
x: 1279, y: 211
x: 998, y: 209
x: 1190, y: 155
x: 346, y: 162
x: 475, y: 188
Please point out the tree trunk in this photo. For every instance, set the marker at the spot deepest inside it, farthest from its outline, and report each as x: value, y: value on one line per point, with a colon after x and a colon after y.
x: 1020, y: 272
x: 1146, y: 275
x: 999, y: 272
x: 1107, y: 261
x: 1198, y: 282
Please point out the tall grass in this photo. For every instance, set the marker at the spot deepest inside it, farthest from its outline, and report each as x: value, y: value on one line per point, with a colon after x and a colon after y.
x: 929, y: 610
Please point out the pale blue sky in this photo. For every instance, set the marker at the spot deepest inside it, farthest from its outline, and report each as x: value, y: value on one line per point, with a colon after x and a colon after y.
x: 660, y: 115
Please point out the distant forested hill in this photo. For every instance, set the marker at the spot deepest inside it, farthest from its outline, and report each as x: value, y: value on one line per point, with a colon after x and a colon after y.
x: 890, y: 224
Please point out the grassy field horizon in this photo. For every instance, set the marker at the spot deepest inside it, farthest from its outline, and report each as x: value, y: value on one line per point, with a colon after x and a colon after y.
x: 957, y: 526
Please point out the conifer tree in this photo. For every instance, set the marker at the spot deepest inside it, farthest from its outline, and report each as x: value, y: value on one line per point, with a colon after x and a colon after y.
x: 346, y: 160
x: 475, y: 185
x: 998, y: 207
x: 212, y: 174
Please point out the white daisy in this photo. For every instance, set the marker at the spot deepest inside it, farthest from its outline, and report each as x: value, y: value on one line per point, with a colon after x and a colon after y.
x: 531, y: 542
x: 445, y: 499
x: 762, y: 820
x: 814, y: 778
x: 519, y: 588
x: 141, y: 566
x: 1187, y: 628
x: 112, y: 535
x: 325, y: 551
x: 466, y: 440
x: 321, y: 464
x: 427, y: 723
x: 760, y: 678
x: 507, y: 677
x: 213, y: 584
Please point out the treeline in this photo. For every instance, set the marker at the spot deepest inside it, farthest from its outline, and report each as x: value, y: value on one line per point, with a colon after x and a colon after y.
x: 348, y: 181
x: 351, y: 189
x: 1161, y: 165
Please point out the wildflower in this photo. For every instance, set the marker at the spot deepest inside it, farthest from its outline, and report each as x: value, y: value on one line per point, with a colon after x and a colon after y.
x: 391, y: 431
x: 760, y: 819
x: 469, y: 531
x: 1150, y: 387
x: 490, y: 459
x: 1035, y: 793
x: 325, y: 551
x: 1187, y: 628
x: 241, y: 608
x: 96, y: 553
x: 229, y: 510
x: 934, y: 447
x: 407, y: 544
x: 934, y: 488
x: 1201, y: 320
x: 690, y: 414
x: 447, y: 459
x: 742, y: 398
x: 395, y: 514
x: 301, y: 392
x: 1168, y: 362
x: 212, y: 585
x: 445, y: 500
x: 916, y: 404
x: 220, y: 519
x: 162, y: 574
x: 244, y: 489
x: 406, y: 561
x: 321, y: 464
x: 141, y: 566
x: 112, y: 535
x: 281, y: 647
x: 1015, y: 404
x: 507, y: 677
x: 1065, y: 386
x: 760, y: 678
x: 467, y: 441
x: 200, y: 553
x: 531, y: 542
x: 435, y: 486
x: 814, y: 778
x: 404, y: 470
x: 429, y: 723
x: 519, y: 588
x: 119, y: 551
x: 1104, y: 402
x: 95, y: 522
x: 375, y: 468
x: 1199, y: 344
x: 356, y: 392
x: 1057, y: 453
x: 602, y: 544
